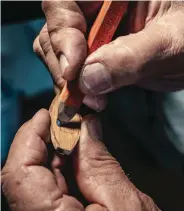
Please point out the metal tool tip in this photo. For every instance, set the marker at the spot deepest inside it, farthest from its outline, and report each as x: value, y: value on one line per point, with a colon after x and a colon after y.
x: 66, y: 113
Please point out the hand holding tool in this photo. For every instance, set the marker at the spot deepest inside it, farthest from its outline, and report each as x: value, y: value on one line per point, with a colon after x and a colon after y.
x: 101, y: 33
x: 65, y: 121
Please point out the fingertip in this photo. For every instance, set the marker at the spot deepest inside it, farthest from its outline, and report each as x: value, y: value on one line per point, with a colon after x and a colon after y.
x: 41, y: 116
x: 58, y: 161
x: 41, y: 112
x: 69, y: 74
x: 41, y: 123
x: 97, y: 103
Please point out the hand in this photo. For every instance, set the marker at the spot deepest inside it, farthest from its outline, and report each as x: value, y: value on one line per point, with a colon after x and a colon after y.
x: 62, y: 45
x: 152, y: 57
x: 29, y: 185
x: 26, y: 182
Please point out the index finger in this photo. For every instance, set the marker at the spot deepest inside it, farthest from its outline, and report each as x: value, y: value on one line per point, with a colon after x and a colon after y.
x: 29, y: 145
x: 66, y: 28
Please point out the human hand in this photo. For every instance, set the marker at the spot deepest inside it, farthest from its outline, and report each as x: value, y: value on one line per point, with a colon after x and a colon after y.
x: 29, y: 185
x: 100, y: 177
x: 26, y: 182
x: 152, y: 56
x: 62, y: 44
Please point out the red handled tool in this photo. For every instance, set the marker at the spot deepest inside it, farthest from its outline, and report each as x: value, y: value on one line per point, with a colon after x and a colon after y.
x: 101, y: 33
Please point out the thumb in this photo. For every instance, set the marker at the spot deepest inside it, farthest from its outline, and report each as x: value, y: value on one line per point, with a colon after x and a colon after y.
x: 131, y: 58
x: 26, y: 183
x: 99, y: 176
x: 29, y: 145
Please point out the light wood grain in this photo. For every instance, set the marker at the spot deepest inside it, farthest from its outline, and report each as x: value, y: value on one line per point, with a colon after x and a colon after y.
x: 64, y: 139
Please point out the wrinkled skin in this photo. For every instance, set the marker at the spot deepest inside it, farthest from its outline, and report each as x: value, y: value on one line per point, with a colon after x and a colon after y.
x: 151, y: 56
x: 29, y: 185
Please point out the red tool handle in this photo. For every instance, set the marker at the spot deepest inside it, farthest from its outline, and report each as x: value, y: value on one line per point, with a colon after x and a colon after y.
x: 101, y: 33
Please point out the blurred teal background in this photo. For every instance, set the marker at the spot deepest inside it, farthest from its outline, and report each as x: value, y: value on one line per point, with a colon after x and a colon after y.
x: 24, y: 78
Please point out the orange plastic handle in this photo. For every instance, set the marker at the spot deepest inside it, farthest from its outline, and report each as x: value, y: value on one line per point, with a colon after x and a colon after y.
x: 101, y: 33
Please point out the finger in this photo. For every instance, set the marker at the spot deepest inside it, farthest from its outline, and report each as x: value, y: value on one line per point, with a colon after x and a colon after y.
x: 98, y: 103
x: 66, y: 28
x: 38, y: 49
x: 24, y: 179
x: 58, y: 161
x: 56, y: 165
x: 99, y: 175
x: 49, y: 57
x: 103, y: 73
x: 95, y: 207
x: 129, y: 59
x: 139, y: 16
x: 29, y: 145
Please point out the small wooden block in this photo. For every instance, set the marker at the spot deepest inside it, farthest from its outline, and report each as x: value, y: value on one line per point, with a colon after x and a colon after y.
x: 64, y: 138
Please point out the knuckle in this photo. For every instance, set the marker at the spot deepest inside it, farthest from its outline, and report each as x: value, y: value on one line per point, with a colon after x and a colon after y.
x: 58, y: 38
x: 46, y: 5
x: 65, y: 18
x: 56, y: 43
x: 55, y: 38
x: 72, y: 19
x: 45, y: 43
x: 80, y: 41
x: 99, y: 164
x: 64, y: 39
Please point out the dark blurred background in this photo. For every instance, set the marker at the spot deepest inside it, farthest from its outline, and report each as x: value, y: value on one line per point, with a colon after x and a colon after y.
x: 26, y: 86
x: 20, y: 11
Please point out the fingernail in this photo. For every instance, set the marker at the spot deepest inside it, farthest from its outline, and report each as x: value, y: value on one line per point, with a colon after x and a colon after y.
x: 63, y: 64
x: 95, y: 79
x: 94, y: 128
